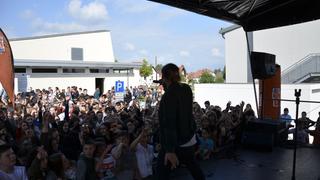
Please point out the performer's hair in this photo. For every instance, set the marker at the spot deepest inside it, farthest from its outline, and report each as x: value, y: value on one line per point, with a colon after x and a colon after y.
x: 171, y: 72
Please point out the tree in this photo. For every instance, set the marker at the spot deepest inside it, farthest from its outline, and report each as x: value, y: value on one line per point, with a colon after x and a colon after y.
x: 224, y: 72
x: 183, y: 77
x: 206, y: 77
x: 146, y: 69
x: 219, y: 78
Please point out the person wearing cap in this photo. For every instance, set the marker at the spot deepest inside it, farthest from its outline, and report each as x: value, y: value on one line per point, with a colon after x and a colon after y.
x: 177, y: 126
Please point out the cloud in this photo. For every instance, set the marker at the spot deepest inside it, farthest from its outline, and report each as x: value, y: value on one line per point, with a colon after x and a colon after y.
x: 27, y: 14
x: 44, y: 27
x: 143, y: 52
x: 136, y: 6
x: 129, y: 47
x: 216, y: 52
x: 41, y: 26
x: 184, y: 53
x: 93, y: 12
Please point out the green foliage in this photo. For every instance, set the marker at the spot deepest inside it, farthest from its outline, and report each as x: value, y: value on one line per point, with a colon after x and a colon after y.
x: 206, y: 77
x: 224, y: 72
x: 183, y: 78
x: 146, y: 69
x: 219, y: 78
x: 191, y: 82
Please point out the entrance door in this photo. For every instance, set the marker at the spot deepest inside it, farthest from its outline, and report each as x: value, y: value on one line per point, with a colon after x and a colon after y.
x: 100, y: 85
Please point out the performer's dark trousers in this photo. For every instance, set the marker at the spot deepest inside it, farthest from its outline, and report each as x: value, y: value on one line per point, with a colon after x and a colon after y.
x: 185, y: 156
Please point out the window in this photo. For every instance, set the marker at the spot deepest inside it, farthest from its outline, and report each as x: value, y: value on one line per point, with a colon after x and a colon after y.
x: 99, y: 70
x: 44, y: 70
x: 121, y: 71
x: 94, y: 70
x: 20, y: 70
x: 77, y: 54
x: 73, y: 70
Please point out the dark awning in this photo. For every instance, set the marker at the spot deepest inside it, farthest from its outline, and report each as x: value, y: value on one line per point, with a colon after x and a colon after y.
x: 253, y: 15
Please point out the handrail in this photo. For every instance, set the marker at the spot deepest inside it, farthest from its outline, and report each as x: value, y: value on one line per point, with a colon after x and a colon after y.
x: 300, y: 62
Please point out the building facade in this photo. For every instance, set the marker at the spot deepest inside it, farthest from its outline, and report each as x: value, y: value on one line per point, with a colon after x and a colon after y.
x: 296, y: 48
x: 83, y: 59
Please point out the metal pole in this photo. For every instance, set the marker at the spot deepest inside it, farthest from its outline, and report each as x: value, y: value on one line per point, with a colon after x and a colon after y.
x: 155, y: 66
x: 128, y: 78
x: 253, y: 80
x: 297, y: 93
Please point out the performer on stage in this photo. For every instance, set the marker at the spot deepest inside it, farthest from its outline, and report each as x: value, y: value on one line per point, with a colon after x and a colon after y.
x: 177, y: 126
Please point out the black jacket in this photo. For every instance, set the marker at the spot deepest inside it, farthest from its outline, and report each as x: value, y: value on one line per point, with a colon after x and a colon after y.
x: 177, y: 125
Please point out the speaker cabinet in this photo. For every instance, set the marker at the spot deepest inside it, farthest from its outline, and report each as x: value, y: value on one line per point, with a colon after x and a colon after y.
x: 263, y: 65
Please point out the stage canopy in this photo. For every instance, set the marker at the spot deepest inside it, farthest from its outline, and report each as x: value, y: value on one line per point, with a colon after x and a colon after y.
x: 253, y: 15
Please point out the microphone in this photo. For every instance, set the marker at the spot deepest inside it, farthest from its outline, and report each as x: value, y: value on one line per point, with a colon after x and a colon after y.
x: 160, y: 81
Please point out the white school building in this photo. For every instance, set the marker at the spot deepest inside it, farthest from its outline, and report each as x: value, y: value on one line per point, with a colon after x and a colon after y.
x: 82, y: 59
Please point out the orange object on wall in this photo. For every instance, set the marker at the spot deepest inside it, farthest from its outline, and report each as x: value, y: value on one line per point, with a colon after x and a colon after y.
x: 270, y: 89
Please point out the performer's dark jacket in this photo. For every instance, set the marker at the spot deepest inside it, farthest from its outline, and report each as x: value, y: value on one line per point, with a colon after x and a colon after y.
x: 177, y: 125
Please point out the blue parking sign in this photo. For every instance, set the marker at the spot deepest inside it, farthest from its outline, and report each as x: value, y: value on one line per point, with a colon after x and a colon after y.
x: 119, y: 86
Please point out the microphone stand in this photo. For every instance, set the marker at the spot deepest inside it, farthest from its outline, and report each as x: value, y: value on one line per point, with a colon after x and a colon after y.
x: 297, y: 93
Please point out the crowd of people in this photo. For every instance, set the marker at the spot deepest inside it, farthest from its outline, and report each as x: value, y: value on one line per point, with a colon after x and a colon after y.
x: 69, y: 134
x: 302, y: 126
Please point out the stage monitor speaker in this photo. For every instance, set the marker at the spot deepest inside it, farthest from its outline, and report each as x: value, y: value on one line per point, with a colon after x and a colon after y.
x: 263, y: 65
x: 258, y: 140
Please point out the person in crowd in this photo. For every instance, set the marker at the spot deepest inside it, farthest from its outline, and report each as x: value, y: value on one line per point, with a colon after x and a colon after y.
x: 144, y: 154
x: 86, y: 132
x: 177, y: 126
x: 99, y: 115
x: 49, y: 126
x: 39, y: 167
x: 316, y: 135
x: 105, y: 161
x: 97, y: 93
x: 197, y: 114
x: 306, y: 122
x: 302, y: 134
x: 69, y: 143
x: 206, y: 105
x: 57, y: 165
x: 86, y: 165
x: 285, y: 117
x: 8, y: 170
x: 125, y: 158
x: 206, y: 145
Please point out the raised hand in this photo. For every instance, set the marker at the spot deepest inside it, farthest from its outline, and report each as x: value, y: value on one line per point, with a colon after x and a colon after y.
x: 172, y: 158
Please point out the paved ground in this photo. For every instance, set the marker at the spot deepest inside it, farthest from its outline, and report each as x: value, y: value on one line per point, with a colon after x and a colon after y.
x: 254, y: 165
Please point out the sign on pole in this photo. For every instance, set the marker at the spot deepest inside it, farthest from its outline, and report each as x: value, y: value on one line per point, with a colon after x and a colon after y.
x: 119, y: 88
x: 119, y: 91
x: 23, y: 84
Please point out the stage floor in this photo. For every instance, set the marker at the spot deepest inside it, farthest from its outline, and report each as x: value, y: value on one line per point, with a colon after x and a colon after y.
x: 250, y: 164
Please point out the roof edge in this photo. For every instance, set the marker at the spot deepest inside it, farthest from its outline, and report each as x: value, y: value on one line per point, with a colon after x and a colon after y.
x: 223, y: 31
x: 57, y: 35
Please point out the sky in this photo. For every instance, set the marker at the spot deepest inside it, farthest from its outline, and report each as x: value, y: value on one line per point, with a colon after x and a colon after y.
x: 140, y: 29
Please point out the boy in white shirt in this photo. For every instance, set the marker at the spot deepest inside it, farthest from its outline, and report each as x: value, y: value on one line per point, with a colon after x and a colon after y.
x: 144, y: 153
